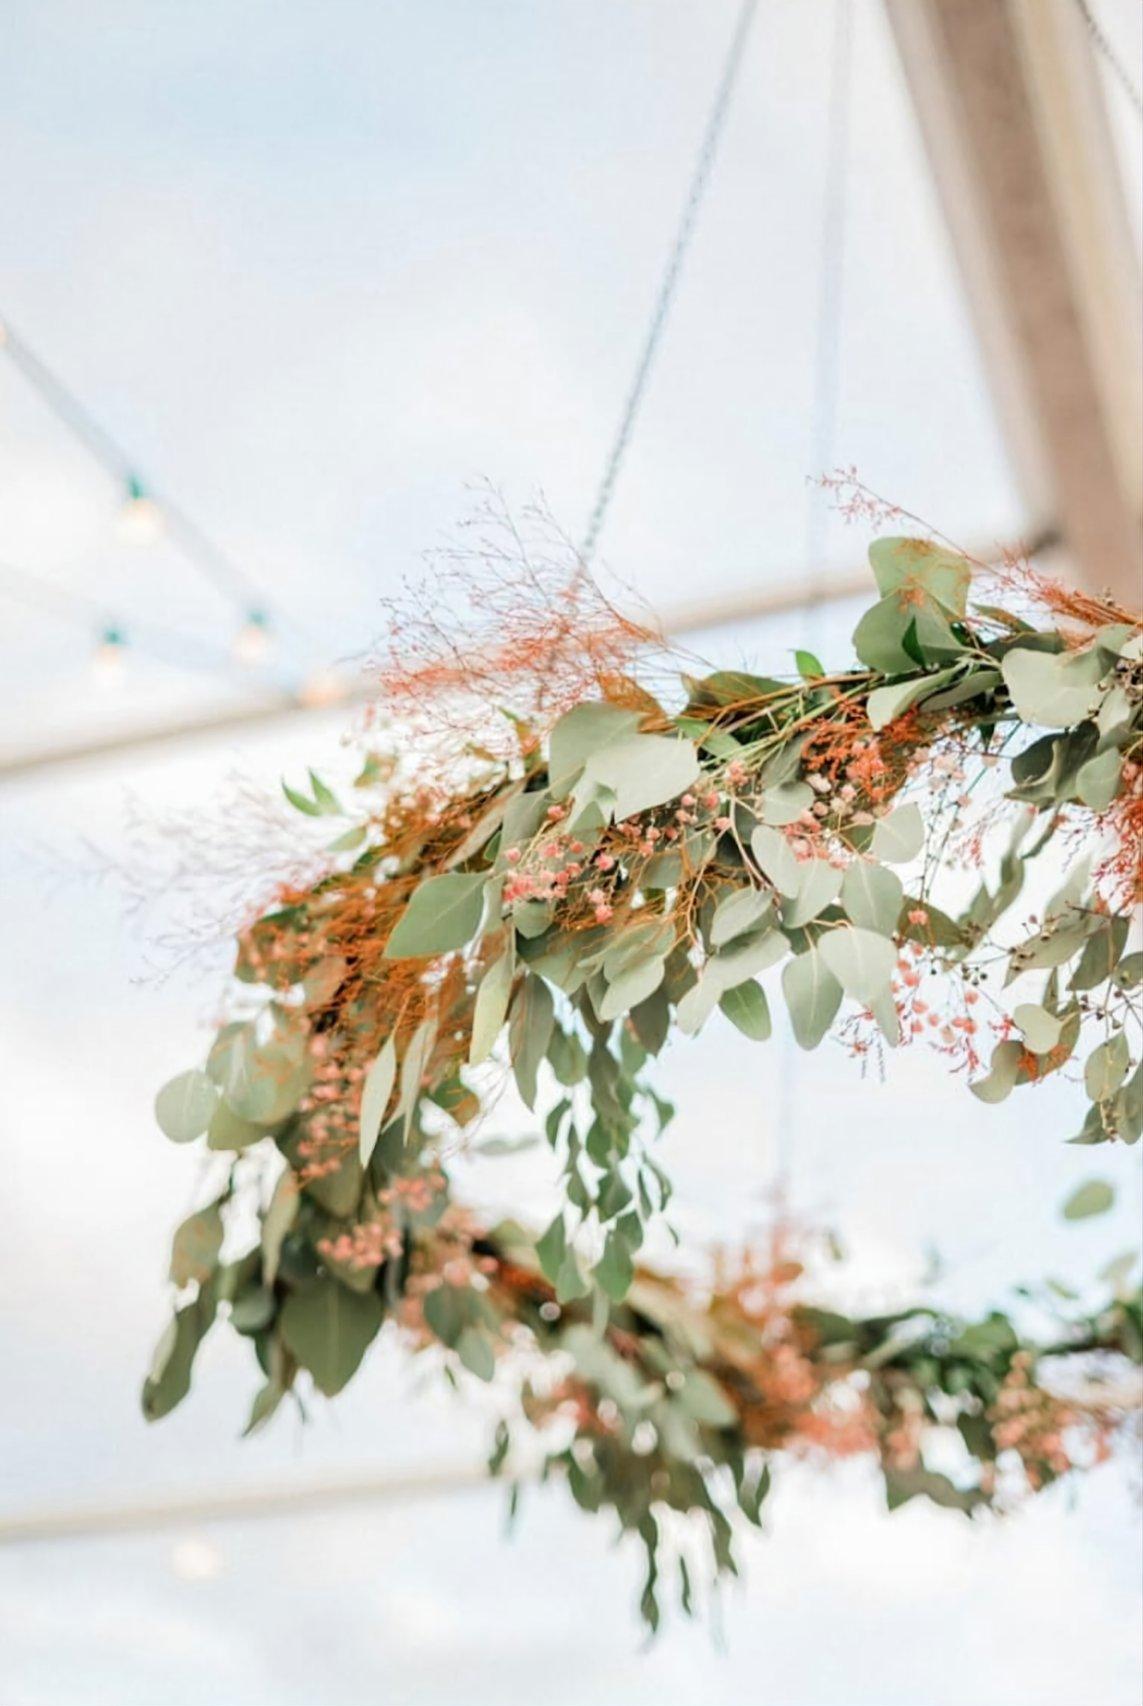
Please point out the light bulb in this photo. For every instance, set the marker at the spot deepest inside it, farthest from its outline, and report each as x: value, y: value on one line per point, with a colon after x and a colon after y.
x: 322, y: 687
x: 252, y: 641
x: 108, y: 658
x: 195, y: 1559
x: 141, y: 520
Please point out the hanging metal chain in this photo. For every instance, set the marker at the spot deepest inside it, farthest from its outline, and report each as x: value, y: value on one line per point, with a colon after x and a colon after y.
x: 1109, y: 56
x: 831, y: 284
x: 823, y: 454
x: 700, y: 180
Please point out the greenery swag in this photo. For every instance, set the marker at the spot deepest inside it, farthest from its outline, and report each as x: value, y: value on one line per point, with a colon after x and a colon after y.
x: 552, y: 907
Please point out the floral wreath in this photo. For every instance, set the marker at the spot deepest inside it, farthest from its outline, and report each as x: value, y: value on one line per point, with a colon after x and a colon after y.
x: 563, y: 867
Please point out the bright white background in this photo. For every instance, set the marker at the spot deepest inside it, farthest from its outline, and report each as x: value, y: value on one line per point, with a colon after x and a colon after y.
x: 324, y: 267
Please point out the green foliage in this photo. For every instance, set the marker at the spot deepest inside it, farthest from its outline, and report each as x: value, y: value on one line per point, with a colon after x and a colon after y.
x: 581, y: 904
x: 443, y: 915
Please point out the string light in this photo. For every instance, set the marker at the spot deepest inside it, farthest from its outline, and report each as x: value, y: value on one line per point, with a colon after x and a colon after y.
x: 141, y: 520
x: 196, y: 1559
x: 108, y: 664
x: 252, y: 641
x: 322, y: 687
x: 144, y: 515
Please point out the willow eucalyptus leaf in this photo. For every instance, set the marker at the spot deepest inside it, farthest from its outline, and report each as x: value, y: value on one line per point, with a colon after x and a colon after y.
x: 530, y: 1030
x: 487, y: 823
x: 413, y: 1067
x: 376, y: 1092
x: 1101, y: 953
x: 491, y: 1006
x: 280, y: 1215
x: 972, y: 685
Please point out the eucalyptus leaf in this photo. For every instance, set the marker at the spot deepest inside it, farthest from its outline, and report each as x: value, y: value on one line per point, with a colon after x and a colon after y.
x: 704, y: 1400
x: 746, y: 1007
x: 862, y: 962
x: 819, y: 883
x: 643, y: 771
x: 581, y: 733
x: 1098, y: 780
x: 1107, y: 1066
x: 614, y: 1271
x: 195, y: 1248
x: 872, y: 896
x: 776, y: 859
x: 886, y: 704
x: 813, y: 996
x: 1095, y: 1196
x: 909, y: 567
x: 227, y: 1132
x: 328, y: 1329
x: 1002, y: 1073
x: 413, y: 1068
x: 1127, y: 1109
x: 899, y: 837
x: 745, y: 956
x: 738, y: 912
x: 1041, y: 1029
x: 442, y: 916
x: 1054, y: 689
x: 185, y: 1106
x: 786, y: 804
x: 475, y: 1349
x: 631, y: 986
